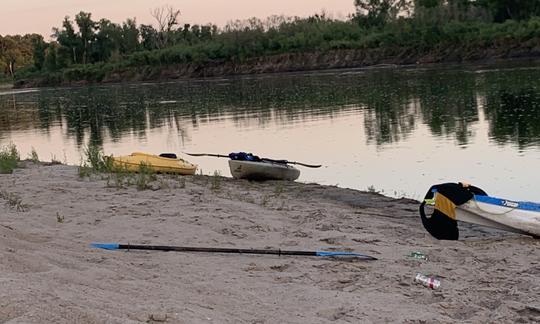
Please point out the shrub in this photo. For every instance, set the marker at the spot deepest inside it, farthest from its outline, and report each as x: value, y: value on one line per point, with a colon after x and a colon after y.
x: 9, y: 157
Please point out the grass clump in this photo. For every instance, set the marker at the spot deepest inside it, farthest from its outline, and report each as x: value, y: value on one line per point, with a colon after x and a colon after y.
x: 13, y: 201
x: 9, y: 157
x: 215, y: 184
x: 145, y: 175
x: 94, y: 161
x: 33, y: 156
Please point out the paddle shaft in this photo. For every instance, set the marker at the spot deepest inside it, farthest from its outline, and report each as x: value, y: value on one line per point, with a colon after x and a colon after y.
x: 117, y: 246
x: 207, y: 154
x: 262, y: 159
x: 217, y: 250
x: 292, y: 162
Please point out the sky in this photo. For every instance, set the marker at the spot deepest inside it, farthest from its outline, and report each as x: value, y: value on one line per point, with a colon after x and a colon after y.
x: 39, y: 16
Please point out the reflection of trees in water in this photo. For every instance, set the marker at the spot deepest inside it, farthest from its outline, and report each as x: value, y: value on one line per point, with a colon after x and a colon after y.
x: 18, y: 113
x: 390, y: 115
x: 512, y: 106
x: 6, y: 111
x: 393, y: 103
x: 514, y: 116
x: 448, y: 102
x: 93, y: 111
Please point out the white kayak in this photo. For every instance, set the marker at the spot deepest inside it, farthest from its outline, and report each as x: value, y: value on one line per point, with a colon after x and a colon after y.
x: 264, y: 170
x: 514, y: 216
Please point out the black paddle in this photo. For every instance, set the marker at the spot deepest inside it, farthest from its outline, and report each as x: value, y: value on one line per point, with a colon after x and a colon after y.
x: 117, y: 246
x: 262, y: 159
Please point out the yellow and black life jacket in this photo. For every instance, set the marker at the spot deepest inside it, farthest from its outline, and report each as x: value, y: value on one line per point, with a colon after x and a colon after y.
x: 442, y: 223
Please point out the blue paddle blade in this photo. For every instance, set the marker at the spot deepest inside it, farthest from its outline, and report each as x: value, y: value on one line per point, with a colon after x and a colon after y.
x: 106, y: 246
x: 329, y: 253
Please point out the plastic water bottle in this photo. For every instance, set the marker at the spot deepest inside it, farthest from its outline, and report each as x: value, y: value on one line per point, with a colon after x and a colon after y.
x: 427, y: 281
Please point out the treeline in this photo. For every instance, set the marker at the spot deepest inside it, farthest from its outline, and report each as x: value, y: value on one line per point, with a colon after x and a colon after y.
x: 15, y: 52
x: 86, y: 41
x: 90, y: 50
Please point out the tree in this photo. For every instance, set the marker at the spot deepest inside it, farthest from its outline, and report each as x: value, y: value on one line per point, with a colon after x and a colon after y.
x: 40, y: 46
x: 16, y: 52
x: 86, y: 33
x: 66, y: 37
x: 491, y: 10
x: 207, y: 32
x: 166, y: 18
x: 149, y: 37
x: 51, y: 59
x: 439, y: 12
x: 9, y: 54
x: 186, y: 34
x: 428, y: 3
x: 130, y: 36
x: 379, y: 12
x: 107, y: 41
x: 511, y: 9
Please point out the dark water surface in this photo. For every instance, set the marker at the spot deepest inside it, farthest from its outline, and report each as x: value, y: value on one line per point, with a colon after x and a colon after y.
x: 397, y: 131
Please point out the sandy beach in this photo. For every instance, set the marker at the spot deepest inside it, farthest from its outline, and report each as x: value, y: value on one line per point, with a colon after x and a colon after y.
x: 49, y: 274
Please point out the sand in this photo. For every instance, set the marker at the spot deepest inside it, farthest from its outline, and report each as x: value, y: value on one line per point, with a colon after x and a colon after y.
x: 50, y: 274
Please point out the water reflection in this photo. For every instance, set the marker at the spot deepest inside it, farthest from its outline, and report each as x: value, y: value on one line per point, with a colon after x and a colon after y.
x: 398, y: 130
x: 514, y: 116
x: 448, y: 104
x: 393, y: 104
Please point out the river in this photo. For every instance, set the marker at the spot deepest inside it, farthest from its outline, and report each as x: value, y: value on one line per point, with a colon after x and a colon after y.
x: 392, y: 130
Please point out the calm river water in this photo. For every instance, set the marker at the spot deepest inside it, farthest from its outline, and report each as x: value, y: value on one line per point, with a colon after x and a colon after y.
x: 396, y: 131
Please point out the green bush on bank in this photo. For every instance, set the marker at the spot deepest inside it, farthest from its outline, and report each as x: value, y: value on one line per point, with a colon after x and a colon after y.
x: 9, y: 157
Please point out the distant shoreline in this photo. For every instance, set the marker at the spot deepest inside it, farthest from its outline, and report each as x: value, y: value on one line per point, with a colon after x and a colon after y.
x: 289, y: 62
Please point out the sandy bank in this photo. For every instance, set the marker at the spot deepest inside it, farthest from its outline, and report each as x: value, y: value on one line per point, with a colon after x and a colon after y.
x: 48, y: 272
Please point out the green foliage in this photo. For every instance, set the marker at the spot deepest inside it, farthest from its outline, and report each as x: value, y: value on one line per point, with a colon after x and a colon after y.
x: 145, y: 175
x: 39, y: 52
x: 9, y: 157
x: 17, y: 52
x: 96, y: 160
x: 94, y: 51
x: 86, y: 34
x: 216, y: 181
x: 373, y: 13
x: 502, y: 10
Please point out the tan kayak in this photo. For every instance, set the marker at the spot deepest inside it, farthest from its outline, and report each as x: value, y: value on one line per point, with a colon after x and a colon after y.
x: 263, y: 170
x: 155, y: 162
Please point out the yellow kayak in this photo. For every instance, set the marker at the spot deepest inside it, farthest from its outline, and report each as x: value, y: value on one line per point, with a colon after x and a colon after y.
x: 168, y: 163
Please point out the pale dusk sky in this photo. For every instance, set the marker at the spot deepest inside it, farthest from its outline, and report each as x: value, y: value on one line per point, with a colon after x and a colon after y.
x: 39, y: 16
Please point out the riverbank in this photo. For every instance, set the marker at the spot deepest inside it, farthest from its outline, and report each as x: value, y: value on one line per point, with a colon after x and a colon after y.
x: 49, y: 215
x: 387, y: 56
